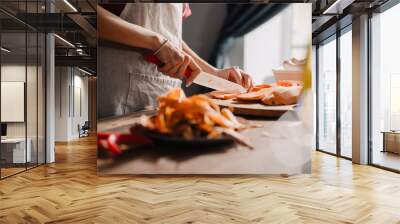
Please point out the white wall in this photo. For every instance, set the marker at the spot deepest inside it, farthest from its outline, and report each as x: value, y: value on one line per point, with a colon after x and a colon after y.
x: 12, y: 73
x: 69, y: 82
x: 79, y: 117
x: 286, y: 35
x: 61, y: 103
x: 13, y: 101
x: 15, y: 72
x: 33, y: 127
x: 265, y: 49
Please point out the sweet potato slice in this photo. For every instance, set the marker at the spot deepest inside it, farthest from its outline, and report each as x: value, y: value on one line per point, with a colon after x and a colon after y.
x: 254, y: 96
x: 288, y: 83
x: 223, y: 95
x: 260, y: 87
x: 191, y: 117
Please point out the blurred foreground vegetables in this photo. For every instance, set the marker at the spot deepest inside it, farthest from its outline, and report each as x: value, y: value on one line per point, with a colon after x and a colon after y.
x: 190, y: 117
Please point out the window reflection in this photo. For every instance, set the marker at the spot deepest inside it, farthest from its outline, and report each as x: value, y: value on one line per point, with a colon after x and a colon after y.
x: 22, y: 91
x: 15, y: 150
x: 327, y: 97
x: 346, y: 94
x: 385, y: 89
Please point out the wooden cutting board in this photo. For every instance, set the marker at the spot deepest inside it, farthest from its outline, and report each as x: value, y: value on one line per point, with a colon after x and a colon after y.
x: 254, y: 108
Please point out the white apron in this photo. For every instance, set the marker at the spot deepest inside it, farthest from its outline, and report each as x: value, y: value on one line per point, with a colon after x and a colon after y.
x: 127, y: 83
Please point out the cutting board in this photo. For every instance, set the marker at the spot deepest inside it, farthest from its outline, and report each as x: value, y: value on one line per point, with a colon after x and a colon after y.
x: 254, y: 108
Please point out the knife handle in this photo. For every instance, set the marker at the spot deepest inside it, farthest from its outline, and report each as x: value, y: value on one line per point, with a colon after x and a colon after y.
x: 154, y: 60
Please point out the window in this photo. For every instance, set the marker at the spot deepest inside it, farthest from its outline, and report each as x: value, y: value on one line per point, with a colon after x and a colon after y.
x: 346, y: 93
x: 22, y: 79
x: 334, y: 67
x: 327, y: 96
x: 385, y: 89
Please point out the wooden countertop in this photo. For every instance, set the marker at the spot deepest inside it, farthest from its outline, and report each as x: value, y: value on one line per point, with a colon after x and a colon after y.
x: 280, y: 147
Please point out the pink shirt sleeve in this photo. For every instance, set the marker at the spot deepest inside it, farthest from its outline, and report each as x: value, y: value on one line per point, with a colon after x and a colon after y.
x: 186, y: 11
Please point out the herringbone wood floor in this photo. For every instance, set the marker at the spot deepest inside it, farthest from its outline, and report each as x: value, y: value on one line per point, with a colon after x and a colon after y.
x: 70, y: 191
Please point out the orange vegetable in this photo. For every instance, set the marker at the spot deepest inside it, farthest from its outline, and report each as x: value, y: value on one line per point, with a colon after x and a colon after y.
x: 253, y: 96
x: 190, y: 117
x: 260, y: 87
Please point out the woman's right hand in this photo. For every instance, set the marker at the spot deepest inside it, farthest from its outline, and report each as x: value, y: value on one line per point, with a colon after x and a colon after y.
x: 176, y: 62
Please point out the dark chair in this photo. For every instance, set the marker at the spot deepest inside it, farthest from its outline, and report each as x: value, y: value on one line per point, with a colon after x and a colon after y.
x: 84, y: 130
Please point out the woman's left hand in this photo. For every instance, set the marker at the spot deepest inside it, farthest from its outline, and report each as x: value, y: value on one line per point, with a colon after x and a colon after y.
x: 236, y: 75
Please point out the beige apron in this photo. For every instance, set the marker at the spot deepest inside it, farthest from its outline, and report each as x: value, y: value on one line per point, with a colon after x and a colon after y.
x: 127, y: 83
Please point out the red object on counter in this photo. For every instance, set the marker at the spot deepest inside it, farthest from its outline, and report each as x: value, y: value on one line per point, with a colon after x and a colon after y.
x: 112, y: 141
x: 153, y: 59
x: 102, y: 135
x: 112, y: 144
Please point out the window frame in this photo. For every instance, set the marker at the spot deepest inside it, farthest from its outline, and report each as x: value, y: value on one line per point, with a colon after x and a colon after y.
x: 334, y: 37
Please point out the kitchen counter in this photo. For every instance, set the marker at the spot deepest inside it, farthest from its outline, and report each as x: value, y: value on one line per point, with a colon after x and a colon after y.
x: 281, y: 146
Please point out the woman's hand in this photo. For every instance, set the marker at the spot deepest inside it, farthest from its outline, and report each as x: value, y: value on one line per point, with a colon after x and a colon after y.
x: 176, y: 62
x: 236, y: 75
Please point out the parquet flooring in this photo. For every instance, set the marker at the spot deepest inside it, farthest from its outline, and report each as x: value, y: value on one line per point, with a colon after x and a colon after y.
x: 10, y: 171
x: 70, y: 191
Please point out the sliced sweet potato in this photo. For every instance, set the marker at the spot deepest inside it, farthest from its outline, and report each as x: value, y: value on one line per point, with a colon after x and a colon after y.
x: 288, y: 83
x: 191, y: 117
x: 260, y: 87
x: 253, y: 96
x: 223, y: 95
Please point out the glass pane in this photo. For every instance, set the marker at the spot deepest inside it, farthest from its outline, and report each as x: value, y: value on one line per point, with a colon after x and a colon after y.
x: 385, y: 86
x: 346, y: 94
x: 41, y: 98
x: 13, y: 86
x: 31, y: 98
x: 327, y: 97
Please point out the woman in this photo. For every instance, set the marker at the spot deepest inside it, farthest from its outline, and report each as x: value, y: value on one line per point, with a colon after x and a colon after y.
x: 127, y: 82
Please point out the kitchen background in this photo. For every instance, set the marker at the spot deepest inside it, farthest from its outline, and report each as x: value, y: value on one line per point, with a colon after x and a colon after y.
x: 281, y: 32
x: 283, y: 36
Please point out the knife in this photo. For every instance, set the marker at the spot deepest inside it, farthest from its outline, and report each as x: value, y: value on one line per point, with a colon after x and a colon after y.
x: 204, y: 78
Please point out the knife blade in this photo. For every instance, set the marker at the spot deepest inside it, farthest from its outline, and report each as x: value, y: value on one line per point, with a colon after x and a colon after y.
x: 217, y: 83
x: 204, y: 78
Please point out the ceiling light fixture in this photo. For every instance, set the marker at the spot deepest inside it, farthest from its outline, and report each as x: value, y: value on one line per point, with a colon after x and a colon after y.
x: 5, y: 50
x: 70, y: 5
x: 65, y: 41
x: 84, y: 71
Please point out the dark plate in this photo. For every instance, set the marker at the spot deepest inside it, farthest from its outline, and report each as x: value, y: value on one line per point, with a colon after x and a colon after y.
x: 171, y: 140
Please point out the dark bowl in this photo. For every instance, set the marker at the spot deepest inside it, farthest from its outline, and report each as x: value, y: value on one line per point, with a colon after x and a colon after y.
x: 180, y: 141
